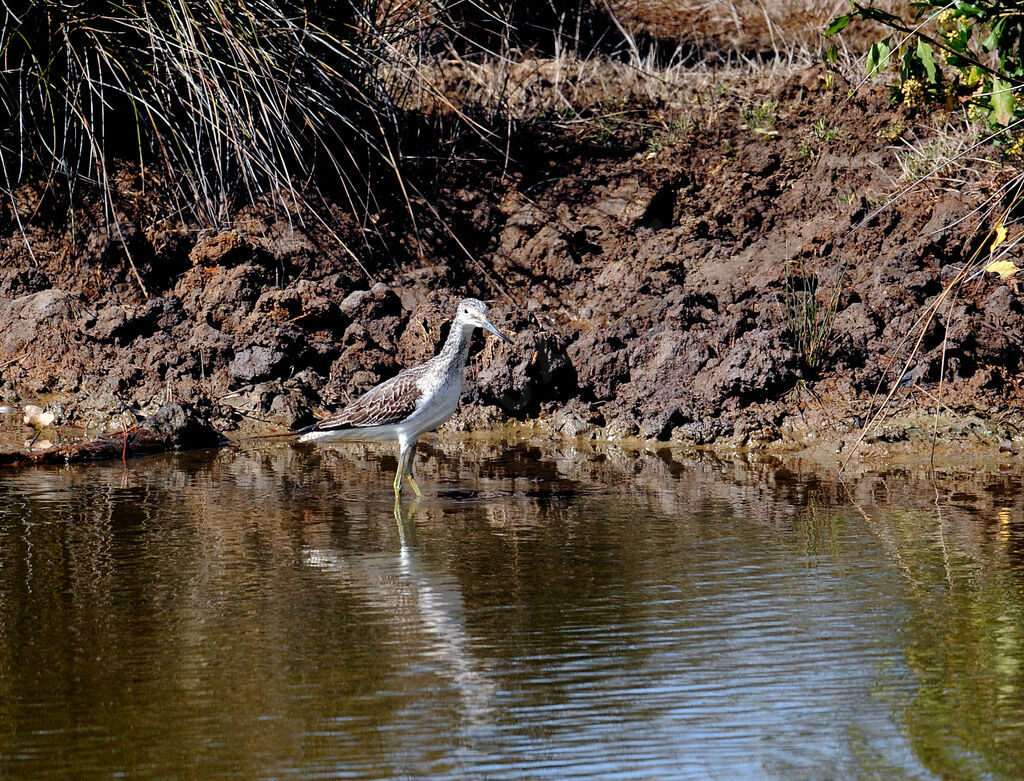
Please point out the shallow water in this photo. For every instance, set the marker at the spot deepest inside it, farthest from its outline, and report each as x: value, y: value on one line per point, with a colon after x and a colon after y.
x: 257, y: 614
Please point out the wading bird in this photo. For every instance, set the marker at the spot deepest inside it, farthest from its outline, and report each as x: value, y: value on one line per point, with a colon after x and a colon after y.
x: 412, y: 402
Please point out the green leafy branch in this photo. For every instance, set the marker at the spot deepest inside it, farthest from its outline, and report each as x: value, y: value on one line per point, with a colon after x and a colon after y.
x: 947, y: 65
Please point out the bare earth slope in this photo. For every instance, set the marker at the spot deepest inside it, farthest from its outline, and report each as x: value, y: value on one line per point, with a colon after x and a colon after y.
x: 643, y: 264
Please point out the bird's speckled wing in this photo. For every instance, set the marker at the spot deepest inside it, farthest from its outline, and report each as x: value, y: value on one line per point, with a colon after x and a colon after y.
x: 389, y: 403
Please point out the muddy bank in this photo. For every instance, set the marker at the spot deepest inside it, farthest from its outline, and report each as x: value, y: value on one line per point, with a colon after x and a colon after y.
x: 642, y: 267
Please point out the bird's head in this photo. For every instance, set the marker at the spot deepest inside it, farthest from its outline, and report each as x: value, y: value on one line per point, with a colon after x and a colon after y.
x: 473, y: 313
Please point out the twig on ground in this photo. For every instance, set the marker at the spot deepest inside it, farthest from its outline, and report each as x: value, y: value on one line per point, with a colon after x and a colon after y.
x: 16, y: 359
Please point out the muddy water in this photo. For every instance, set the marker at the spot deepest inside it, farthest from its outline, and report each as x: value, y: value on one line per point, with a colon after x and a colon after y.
x: 256, y: 613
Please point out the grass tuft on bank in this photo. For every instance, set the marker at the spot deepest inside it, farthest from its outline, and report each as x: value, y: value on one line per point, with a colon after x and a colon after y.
x: 216, y: 104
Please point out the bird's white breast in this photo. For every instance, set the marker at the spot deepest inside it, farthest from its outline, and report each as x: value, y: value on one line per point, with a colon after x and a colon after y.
x: 439, y: 400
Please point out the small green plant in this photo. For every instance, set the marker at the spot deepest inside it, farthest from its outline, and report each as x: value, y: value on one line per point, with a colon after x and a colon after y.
x: 762, y: 118
x: 824, y: 131
x: 606, y: 134
x: 809, y: 315
x: 956, y: 52
x: 891, y: 132
x: 658, y: 142
x: 821, y: 133
x: 671, y: 134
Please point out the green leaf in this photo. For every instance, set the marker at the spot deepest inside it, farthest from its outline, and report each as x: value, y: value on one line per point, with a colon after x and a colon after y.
x: 927, y: 59
x: 1002, y: 102
x: 837, y: 24
x: 907, y: 69
x: 966, y: 9
x: 991, y: 41
x: 878, y: 57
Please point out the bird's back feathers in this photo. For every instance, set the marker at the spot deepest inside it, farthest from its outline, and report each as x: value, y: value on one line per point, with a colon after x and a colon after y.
x: 387, y: 404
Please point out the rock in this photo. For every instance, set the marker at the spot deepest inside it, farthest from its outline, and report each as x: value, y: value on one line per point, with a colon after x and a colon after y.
x: 704, y: 431
x: 41, y: 320
x: 277, y: 306
x: 162, y: 314
x: 601, y: 361
x: 210, y: 342
x: 520, y: 377
x: 852, y: 331
x: 659, y: 422
x: 573, y: 420
x: 37, y: 308
x: 179, y: 427
x: 307, y: 382
x: 366, y: 306
x: 223, y: 297
x: 230, y: 248
x: 36, y: 416
x: 289, y: 411
x: 755, y: 367
x: 257, y: 363
x: 110, y: 324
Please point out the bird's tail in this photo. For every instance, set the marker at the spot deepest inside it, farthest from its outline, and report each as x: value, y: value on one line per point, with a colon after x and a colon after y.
x: 284, y: 434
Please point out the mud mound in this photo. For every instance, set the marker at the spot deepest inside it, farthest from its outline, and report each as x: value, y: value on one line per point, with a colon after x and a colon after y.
x: 648, y: 277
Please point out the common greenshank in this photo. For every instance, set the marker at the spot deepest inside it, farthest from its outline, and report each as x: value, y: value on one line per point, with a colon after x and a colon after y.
x: 414, y: 401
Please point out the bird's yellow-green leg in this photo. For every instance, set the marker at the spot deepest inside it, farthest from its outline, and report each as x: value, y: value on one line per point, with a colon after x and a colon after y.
x: 398, y: 478
x: 408, y: 471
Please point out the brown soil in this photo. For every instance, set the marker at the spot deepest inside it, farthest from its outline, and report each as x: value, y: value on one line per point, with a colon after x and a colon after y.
x: 642, y: 266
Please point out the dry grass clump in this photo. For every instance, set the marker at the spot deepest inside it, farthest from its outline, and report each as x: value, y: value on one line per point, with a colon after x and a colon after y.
x: 944, y: 152
x: 224, y: 102
x: 569, y: 88
x: 778, y: 26
x: 651, y: 51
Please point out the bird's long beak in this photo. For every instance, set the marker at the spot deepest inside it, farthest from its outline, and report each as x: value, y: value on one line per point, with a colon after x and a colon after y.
x: 488, y: 326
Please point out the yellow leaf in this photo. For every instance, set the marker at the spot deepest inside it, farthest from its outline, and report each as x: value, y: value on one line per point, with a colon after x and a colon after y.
x: 1004, y: 268
x: 1000, y: 237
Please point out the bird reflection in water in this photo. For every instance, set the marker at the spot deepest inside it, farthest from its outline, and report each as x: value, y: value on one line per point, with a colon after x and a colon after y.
x: 425, y: 606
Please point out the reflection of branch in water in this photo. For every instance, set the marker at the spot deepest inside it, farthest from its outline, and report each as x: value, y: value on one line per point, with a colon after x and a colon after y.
x: 410, y: 595
x: 892, y: 547
x: 942, y: 541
